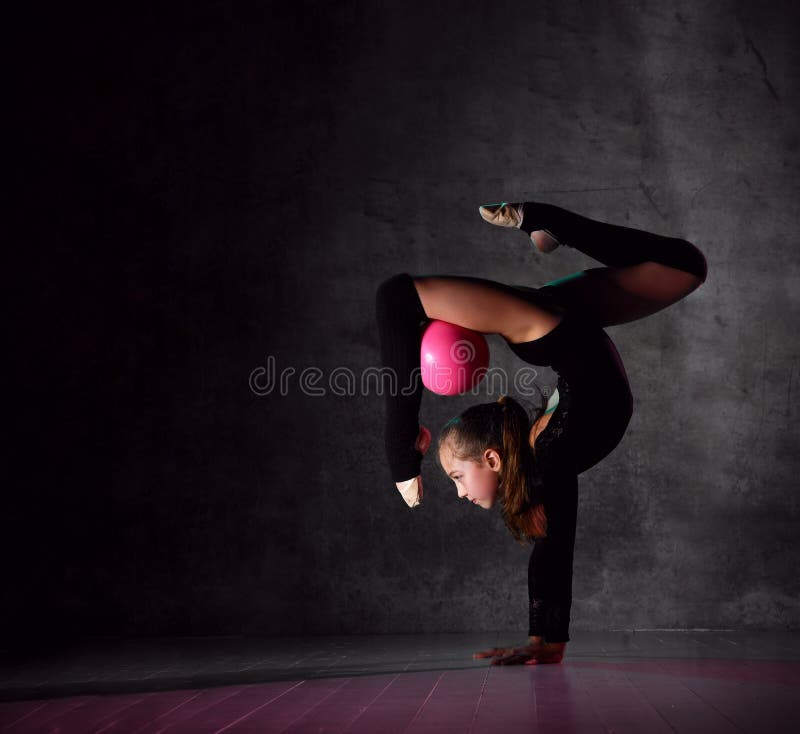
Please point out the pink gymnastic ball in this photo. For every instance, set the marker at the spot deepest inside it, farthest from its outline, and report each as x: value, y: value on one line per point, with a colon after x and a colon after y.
x: 453, y: 359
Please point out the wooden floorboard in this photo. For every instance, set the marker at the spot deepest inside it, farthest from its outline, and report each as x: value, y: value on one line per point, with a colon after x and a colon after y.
x: 655, y: 682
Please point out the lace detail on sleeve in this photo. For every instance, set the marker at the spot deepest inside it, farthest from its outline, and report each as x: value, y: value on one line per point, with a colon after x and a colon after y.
x: 559, y: 421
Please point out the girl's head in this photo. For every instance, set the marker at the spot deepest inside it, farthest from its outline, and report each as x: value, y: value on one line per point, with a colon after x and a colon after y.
x: 486, y: 451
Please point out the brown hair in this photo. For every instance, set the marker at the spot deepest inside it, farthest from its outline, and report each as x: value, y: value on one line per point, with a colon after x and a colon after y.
x: 504, y: 426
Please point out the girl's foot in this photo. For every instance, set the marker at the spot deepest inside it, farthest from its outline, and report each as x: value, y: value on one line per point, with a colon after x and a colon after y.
x: 511, y: 214
x: 503, y: 214
x: 544, y: 241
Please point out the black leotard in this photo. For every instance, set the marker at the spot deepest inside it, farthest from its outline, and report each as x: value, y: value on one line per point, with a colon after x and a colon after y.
x: 594, y: 408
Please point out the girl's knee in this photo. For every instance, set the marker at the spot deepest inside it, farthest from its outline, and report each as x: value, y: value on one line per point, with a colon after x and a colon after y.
x: 699, y: 265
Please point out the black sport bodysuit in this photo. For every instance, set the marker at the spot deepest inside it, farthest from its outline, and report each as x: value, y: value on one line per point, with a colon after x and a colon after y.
x: 595, y: 400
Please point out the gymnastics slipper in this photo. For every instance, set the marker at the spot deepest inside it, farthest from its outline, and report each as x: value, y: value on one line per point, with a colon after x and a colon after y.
x: 411, y: 491
x: 508, y: 214
x: 503, y: 214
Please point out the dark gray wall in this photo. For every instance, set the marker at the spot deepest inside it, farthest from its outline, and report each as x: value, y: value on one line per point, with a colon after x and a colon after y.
x: 205, y: 193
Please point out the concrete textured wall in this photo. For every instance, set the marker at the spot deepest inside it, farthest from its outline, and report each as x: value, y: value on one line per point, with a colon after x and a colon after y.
x: 207, y: 193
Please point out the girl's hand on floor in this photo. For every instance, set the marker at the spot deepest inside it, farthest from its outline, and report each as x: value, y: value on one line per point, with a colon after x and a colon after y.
x: 550, y: 652
x: 506, y: 653
x: 530, y: 654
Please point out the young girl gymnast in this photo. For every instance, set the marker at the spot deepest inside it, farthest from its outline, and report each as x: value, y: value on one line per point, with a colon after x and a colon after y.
x: 495, y: 452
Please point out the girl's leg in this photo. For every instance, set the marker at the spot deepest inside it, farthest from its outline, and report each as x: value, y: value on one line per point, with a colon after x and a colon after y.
x: 611, y: 296
x: 646, y: 272
x: 485, y: 306
x: 403, y: 305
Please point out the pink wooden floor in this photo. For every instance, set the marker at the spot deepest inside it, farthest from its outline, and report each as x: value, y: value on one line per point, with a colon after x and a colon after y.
x: 609, y: 682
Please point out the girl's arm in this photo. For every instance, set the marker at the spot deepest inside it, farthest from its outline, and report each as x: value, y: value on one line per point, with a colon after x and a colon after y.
x: 550, y: 566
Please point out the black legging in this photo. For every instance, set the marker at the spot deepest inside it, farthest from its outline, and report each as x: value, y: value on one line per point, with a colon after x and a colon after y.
x: 613, y: 244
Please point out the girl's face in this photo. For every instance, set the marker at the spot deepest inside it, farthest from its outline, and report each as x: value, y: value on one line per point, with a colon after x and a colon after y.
x: 477, y: 482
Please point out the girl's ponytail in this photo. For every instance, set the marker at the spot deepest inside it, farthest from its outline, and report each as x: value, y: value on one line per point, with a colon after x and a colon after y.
x: 518, y: 476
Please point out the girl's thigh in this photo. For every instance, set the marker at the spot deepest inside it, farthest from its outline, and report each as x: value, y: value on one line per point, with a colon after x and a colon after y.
x: 484, y: 305
x: 619, y: 295
x: 601, y: 402
x: 596, y: 432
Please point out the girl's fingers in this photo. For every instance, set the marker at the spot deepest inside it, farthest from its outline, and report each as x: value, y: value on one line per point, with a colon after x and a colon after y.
x: 510, y: 660
x: 542, y: 659
x: 504, y: 654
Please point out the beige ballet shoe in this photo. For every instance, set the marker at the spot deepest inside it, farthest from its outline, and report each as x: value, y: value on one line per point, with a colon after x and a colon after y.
x: 503, y: 214
x: 411, y: 491
x: 508, y: 214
